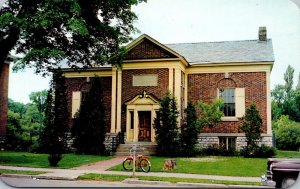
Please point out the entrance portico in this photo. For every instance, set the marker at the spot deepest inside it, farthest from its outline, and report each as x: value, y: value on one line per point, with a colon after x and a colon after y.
x: 140, y: 113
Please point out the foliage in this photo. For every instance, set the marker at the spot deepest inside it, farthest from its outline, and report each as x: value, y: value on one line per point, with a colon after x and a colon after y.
x: 39, y: 98
x: 24, y: 126
x: 54, y: 137
x: 262, y: 151
x: 210, y: 114
x: 46, y: 32
x: 286, y: 99
x: 166, y: 127
x: 287, y: 133
x: 89, y: 127
x: 17, y: 107
x: 251, y: 126
x: 25, y: 159
x: 14, y: 132
x: 215, y: 150
x: 189, y: 132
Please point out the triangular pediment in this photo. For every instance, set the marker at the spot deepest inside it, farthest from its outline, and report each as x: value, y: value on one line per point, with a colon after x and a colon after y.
x: 146, y: 47
x: 143, y: 99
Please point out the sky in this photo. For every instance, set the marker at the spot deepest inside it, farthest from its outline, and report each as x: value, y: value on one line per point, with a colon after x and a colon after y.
x: 184, y: 21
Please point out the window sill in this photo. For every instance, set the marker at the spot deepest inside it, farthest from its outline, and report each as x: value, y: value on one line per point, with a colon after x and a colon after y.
x: 229, y: 119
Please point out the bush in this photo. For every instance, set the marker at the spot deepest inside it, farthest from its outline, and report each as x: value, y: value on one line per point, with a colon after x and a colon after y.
x: 215, y: 150
x: 189, y: 132
x: 166, y: 129
x: 258, y: 152
x: 287, y: 134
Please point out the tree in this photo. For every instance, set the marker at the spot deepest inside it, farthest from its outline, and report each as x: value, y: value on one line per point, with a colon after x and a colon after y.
x: 54, y: 137
x: 49, y: 31
x: 210, y: 114
x: 166, y: 127
x: 251, y: 126
x: 14, y: 131
x: 288, y: 78
x: 89, y: 127
x: 189, y: 132
x: 31, y: 126
x: 298, y: 84
x: 39, y: 98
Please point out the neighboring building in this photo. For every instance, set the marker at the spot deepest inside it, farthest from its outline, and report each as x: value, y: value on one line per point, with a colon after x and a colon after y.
x: 237, y: 71
x: 3, y: 99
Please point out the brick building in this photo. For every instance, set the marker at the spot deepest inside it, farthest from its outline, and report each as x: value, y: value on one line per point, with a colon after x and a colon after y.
x: 236, y: 71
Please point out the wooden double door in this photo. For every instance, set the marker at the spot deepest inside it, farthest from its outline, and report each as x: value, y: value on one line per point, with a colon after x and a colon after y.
x: 144, y: 126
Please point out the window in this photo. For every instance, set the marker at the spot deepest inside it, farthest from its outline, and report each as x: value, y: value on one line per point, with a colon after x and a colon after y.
x: 228, y: 96
x: 227, y: 143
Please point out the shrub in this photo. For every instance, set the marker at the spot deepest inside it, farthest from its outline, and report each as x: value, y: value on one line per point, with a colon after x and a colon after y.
x: 89, y: 127
x: 251, y: 126
x: 166, y: 129
x: 215, y: 150
x: 258, y: 152
x: 287, y: 134
x: 189, y: 132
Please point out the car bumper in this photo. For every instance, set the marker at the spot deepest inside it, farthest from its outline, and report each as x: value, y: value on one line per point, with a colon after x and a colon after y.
x: 266, y: 180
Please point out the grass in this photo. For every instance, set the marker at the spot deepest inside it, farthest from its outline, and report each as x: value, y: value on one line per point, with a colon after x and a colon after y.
x: 212, y: 165
x: 102, y: 177
x: 25, y: 159
x: 2, y: 171
x: 287, y: 154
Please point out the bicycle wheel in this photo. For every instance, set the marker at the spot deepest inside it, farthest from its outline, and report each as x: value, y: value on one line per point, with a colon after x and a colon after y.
x: 128, y: 164
x: 145, y: 165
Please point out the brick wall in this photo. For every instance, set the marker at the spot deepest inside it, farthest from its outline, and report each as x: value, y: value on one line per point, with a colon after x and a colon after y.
x: 129, y: 91
x: 4, y: 98
x: 147, y: 50
x: 204, y: 87
x: 76, y: 84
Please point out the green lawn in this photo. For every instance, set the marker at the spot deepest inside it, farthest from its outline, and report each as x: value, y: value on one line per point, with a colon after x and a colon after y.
x: 101, y: 177
x: 21, y: 172
x: 25, y: 159
x: 288, y: 154
x: 227, y: 166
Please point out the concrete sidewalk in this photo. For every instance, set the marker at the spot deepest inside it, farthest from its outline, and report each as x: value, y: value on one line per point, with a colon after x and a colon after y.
x: 72, y: 174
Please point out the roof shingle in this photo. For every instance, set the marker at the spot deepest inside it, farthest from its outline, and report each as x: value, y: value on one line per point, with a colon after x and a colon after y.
x: 225, y: 52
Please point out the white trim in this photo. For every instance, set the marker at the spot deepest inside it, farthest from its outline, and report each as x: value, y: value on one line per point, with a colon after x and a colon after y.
x: 119, y: 101
x: 269, y: 105
x: 113, y: 101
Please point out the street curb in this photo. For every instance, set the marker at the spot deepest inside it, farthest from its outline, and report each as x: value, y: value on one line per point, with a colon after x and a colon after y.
x: 37, y: 177
x: 137, y: 181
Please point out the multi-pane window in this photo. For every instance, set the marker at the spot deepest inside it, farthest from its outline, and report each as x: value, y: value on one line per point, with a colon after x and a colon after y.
x: 228, y: 96
x: 227, y: 143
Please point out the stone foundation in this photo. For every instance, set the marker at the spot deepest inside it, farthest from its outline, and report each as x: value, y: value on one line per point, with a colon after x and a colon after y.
x: 206, y: 140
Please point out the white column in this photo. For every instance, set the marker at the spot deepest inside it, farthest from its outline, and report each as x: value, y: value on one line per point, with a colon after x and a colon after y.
x: 128, y: 125
x: 269, y: 115
x: 113, y: 101
x: 119, y: 100
x: 152, y: 128
x: 185, y: 90
x: 136, y: 125
x: 177, y: 92
x: 171, y: 82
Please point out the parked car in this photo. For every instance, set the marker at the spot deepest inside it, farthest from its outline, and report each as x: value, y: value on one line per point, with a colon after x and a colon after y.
x: 284, y: 172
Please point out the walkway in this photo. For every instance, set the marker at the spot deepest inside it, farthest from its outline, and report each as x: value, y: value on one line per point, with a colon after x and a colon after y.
x: 101, y: 165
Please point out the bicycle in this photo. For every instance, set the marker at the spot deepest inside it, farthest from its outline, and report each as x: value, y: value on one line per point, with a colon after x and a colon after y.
x: 141, y: 162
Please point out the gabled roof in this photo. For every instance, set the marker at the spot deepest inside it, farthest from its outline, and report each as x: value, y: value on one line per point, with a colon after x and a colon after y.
x: 145, y: 37
x: 225, y: 52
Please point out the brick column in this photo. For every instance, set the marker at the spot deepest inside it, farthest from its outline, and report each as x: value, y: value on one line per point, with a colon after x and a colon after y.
x: 4, y: 98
